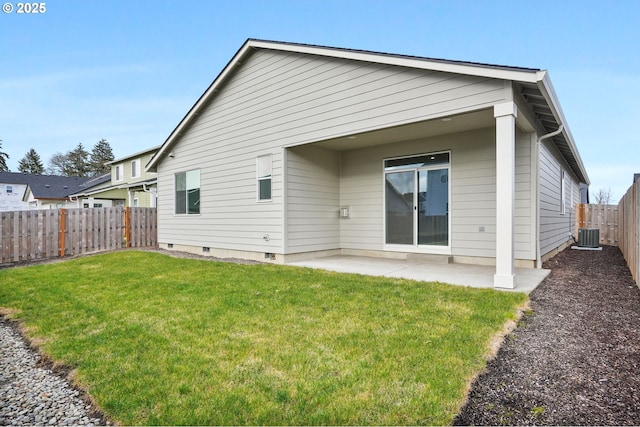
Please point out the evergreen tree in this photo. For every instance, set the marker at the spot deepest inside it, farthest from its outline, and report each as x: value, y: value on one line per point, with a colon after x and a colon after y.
x: 31, y: 163
x: 74, y: 163
x: 100, y: 154
x: 78, y: 161
x: 3, y: 159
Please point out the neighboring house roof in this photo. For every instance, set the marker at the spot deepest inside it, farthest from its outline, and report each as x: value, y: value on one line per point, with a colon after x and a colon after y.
x: 93, y: 185
x: 101, y: 189
x: 534, y: 84
x: 105, y: 184
x: 47, y: 186
x: 134, y: 155
x: 96, y: 180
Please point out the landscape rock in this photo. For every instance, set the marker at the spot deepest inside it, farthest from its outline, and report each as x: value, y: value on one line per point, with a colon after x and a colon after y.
x: 34, y: 395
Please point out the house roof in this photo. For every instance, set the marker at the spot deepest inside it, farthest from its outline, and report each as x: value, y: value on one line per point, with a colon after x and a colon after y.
x: 52, y: 186
x: 134, y: 155
x: 534, y: 85
x: 95, y: 189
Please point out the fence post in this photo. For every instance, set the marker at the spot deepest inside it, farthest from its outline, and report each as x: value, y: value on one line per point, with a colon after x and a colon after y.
x: 63, y: 220
x: 127, y: 226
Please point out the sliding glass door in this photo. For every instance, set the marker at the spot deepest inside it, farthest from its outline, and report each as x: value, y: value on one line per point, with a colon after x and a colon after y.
x: 417, y: 200
x: 400, y: 192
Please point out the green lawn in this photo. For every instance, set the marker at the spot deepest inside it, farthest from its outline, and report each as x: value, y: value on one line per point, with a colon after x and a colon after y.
x: 162, y: 340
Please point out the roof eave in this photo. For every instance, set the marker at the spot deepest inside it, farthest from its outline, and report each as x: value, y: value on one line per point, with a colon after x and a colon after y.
x: 195, y: 109
x: 524, y: 75
x: 545, y: 86
x: 481, y: 70
x: 131, y: 156
x: 459, y: 67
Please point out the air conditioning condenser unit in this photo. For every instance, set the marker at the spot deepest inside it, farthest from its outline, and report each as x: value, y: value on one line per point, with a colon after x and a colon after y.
x: 589, y: 237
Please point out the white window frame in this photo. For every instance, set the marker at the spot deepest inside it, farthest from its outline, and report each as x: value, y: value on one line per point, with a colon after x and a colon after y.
x: 264, y: 172
x: 415, y: 247
x: 119, y: 173
x: 9, y: 189
x: 135, y: 167
x: 189, y: 175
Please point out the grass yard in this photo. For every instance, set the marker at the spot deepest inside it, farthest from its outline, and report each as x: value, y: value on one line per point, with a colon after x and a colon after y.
x: 163, y: 340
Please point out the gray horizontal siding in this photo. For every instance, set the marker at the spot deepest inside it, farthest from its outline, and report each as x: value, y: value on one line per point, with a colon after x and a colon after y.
x: 555, y: 228
x: 473, y: 197
x: 276, y: 99
x: 313, y: 199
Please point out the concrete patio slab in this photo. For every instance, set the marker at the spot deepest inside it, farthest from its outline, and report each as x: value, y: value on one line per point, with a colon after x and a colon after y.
x: 477, y: 276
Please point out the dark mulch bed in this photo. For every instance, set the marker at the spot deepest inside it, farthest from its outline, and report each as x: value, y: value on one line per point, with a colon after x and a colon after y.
x: 574, y: 359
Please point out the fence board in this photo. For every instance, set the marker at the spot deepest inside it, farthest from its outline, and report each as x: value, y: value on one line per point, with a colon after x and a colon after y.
x: 603, y: 217
x: 33, y: 241
x: 15, y: 238
x: 629, y: 218
x: 37, y: 234
x: 630, y: 233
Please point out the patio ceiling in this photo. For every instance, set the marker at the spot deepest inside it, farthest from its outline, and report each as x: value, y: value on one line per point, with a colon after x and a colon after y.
x: 440, y: 126
x: 479, y: 119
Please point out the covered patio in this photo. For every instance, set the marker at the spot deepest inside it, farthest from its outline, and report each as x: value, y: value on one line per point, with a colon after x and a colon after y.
x: 477, y: 276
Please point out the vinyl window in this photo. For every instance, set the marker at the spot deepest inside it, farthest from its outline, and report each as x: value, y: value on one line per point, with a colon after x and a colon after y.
x: 264, y: 166
x: 135, y: 168
x: 187, y: 193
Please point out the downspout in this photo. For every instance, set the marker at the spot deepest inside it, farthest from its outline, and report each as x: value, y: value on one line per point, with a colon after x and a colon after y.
x: 151, y: 192
x: 543, y: 137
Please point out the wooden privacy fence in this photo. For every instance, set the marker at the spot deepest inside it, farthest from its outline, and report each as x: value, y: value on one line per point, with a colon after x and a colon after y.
x: 40, y: 234
x: 629, y: 242
x: 618, y: 224
x: 603, y: 217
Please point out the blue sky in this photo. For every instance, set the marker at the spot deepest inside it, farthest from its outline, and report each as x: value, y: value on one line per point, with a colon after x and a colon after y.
x: 128, y: 71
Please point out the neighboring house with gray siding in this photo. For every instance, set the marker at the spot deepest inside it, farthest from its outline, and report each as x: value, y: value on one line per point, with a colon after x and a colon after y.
x: 298, y: 151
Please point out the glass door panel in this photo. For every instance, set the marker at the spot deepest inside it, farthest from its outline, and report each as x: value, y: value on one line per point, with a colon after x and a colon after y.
x: 433, y: 207
x: 399, y: 206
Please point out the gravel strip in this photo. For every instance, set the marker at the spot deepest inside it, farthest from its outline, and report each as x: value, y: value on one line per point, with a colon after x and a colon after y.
x: 34, y: 395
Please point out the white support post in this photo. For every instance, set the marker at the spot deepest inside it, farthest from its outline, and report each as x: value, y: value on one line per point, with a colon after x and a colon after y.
x: 505, y: 115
